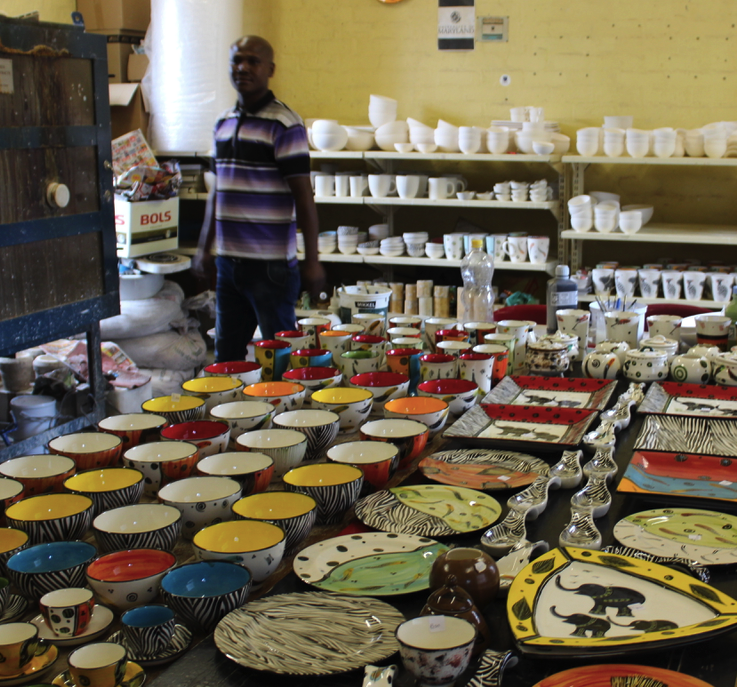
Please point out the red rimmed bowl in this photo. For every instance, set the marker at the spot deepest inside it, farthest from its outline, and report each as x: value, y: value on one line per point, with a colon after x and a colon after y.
x: 383, y: 385
x: 209, y: 436
x: 314, y: 378
x: 282, y: 395
x: 247, y: 372
x: 460, y: 394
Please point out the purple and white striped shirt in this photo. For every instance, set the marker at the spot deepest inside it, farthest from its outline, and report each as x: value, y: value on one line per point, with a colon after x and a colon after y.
x: 256, y: 151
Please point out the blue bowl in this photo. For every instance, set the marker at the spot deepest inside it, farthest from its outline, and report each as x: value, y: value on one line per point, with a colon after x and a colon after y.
x: 43, y: 568
x: 203, y: 593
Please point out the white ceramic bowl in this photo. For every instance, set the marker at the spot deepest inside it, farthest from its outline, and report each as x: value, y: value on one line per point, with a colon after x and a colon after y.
x: 243, y: 416
x: 319, y: 426
x: 543, y: 147
x: 286, y: 447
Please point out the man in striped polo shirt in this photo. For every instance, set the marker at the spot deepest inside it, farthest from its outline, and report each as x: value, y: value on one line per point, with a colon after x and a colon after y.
x: 263, y: 185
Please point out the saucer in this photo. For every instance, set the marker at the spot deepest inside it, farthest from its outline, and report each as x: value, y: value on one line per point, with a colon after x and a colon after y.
x: 179, y: 644
x: 15, y: 608
x: 102, y: 618
x: 37, y: 666
x: 134, y: 677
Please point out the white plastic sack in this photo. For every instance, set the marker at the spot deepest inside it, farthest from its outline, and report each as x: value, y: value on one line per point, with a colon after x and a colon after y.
x: 145, y: 317
x: 167, y: 382
x: 168, y: 350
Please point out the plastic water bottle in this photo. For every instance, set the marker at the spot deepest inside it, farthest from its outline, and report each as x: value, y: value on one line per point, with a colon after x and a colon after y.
x: 562, y: 293
x: 477, y: 270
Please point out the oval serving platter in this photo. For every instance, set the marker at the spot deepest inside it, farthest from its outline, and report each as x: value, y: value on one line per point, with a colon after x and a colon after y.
x: 624, y: 674
x: 483, y: 468
x: 309, y: 633
x: 428, y: 510
x: 705, y: 536
x: 369, y: 564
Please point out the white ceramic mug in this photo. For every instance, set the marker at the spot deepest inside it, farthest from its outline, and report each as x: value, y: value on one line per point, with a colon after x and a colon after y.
x: 622, y: 326
x: 324, y: 185
x: 721, y: 286
x: 516, y: 248
x: 649, y: 280
x: 625, y: 282
x: 693, y: 285
x: 408, y: 185
x: 499, y: 240
x: 440, y: 188
x: 382, y: 185
x: 671, y: 281
x: 453, y: 244
x: 358, y: 185
x: 575, y: 322
x: 342, y: 185
x: 668, y: 326
x: 603, y: 278
x: 538, y: 247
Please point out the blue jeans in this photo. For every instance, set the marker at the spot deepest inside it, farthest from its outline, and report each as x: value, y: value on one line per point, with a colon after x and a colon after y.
x: 252, y: 293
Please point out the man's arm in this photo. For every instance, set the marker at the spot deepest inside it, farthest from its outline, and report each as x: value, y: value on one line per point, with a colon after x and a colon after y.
x: 203, y: 263
x: 313, y: 273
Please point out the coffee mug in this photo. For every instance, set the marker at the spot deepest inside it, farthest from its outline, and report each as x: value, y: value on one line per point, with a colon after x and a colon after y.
x: 325, y: 185
x: 668, y: 326
x: 312, y: 326
x: 408, y: 185
x: 438, y: 366
x: 477, y: 367
x: 622, y: 326
x: 713, y: 330
x: 440, y: 188
x: 373, y: 323
x: 358, y: 185
x: 453, y: 244
x: 19, y: 645
x: 102, y: 664
x: 538, y: 247
x: 671, y: 281
x: 649, y: 280
x: 625, y: 282
x: 67, y: 612
x: 273, y: 356
x: 148, y: 630
x: 500, y: 354
x: 516, y: 248
x: 382, y: 185
x: 342, y: 185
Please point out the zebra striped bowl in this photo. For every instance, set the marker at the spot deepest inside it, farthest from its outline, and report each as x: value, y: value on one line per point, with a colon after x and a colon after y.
x: 124, y: 579
x: 108, y: 488
x: 203, y: 593
x: 51, y: 517
x: 319, y: 426
x: 44, y: 568
x: 139, y: 526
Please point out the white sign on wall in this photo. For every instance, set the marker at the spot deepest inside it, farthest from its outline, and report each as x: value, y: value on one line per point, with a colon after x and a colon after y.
x: 456, y: 24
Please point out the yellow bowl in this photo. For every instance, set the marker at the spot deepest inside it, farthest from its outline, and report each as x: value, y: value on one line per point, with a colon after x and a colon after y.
x: 341, y: 395
x: 11, y: 539
x: 52, y: 517
x: 166, y: 404
x: 322, y: 475
x: 209, y: 385
x: 273, y: 505
x: 108, y: 479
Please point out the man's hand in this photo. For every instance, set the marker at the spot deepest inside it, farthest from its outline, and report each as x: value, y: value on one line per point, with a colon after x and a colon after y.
x: 203, y: 265
x: 313, y: 277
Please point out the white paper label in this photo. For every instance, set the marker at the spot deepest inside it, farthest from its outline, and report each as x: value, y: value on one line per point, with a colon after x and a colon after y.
x: 503, y: 478
x: 725, y: 483
x: 175, y: 398
x: 6, y: 76
x: 437, y: 623
x: 694, y: 537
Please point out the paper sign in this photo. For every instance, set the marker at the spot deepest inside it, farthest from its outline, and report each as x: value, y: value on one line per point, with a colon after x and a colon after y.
x: 456, y: 24
x: 6, y: 76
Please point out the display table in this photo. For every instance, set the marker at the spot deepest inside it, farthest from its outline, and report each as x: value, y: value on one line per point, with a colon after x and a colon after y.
x: 712, y: 660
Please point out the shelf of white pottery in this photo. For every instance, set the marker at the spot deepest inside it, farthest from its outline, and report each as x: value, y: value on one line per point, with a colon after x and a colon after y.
x: 676, y: 161
x: 718, y: 235
x: 459, y: 157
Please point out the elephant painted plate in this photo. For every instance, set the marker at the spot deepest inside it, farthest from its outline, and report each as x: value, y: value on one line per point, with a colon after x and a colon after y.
x: 683, y: 475
x: 672, y: 398
x: 705, y: 536
x: 523, y: 428
x: 580, y: 602
x: 428, y: 510
x: 369, y: 564
x: 704, y: 435
x: 606, y: 675
x: 560, y: 392
x: 483, y: 468
x: 309, y: 633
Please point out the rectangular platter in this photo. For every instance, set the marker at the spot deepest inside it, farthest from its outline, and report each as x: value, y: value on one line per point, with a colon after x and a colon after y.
x: 673, y: 398
x: 562, y: 392
x: 542, y: 428
x: 698, y: 435
x: 680, y: 475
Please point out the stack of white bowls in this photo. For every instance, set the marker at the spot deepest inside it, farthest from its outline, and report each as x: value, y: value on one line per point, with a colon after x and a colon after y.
x: 646, y: 212
x: 618, y: 122
x: 446, y: 137
x: 664, y: 142
x: 520, y: 191
x: 694, y: 143
x: 387, y: 135
x: 434, y: 250
x: 588, y: 141
x: 392, y: 246
x: 614, y: 141
x: 580, y: 209
x: 606, y: 216
x: 415, y: 242
x: 497, y: 139
x: 376, y: 232
x: 328, y: 135
x: 503, y: 191
x: 637, y: 142
x: 561, y: 143
x: 347, y: 239
x: 327, y: 242
x: 360, y: 138
x: 540, y: 191
x: 368, y: 248
x: 381, y: 110
x: 469, y: 139
x: 420, y: 134
x: 630, y: 221
x: 715, y: 141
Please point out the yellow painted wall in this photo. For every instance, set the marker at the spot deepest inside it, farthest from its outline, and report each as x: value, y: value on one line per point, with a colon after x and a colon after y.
x: 667, y: 62
x: 59, y: 11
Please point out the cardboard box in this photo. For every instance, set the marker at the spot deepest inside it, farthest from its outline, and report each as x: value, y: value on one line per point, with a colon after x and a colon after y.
x: 137, y: 66
x: 113, y: 15
x: 150, y: 226
x: 127, y: 109
x: 119, y: 52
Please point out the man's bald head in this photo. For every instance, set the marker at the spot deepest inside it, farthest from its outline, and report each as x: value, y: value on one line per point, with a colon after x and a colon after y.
x: 256, y: 44
x: 251, y: 67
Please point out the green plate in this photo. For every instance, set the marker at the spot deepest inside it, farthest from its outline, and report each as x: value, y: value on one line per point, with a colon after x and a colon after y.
x: 428, y: 510
x: 369, y: 564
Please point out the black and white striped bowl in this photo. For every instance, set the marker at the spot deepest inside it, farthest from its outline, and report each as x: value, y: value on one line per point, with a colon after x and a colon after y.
x: 203, y: 593
x: 51, y: 517
x: 319, y: 426
x: 139, y: 526
x: 46, y: 567
x: 108, y: 488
